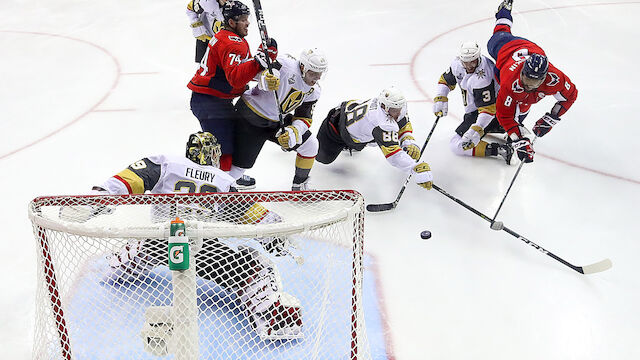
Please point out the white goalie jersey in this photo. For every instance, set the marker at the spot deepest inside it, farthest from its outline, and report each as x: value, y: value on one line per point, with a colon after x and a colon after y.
x: 293, y: 94
x: 479, y: 89
x: 165, y: 174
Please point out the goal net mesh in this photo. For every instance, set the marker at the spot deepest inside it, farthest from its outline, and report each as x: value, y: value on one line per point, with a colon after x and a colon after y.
x: 275, y: 275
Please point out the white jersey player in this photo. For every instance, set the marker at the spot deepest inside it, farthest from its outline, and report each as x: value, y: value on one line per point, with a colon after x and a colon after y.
x: 259, y: 115
x: 205, y: 17
x: 380, y: 121
x: 248, y: 274
x: 475, y: 75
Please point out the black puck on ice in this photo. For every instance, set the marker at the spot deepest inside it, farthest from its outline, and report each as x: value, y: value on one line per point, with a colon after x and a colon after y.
x: 425, y: 234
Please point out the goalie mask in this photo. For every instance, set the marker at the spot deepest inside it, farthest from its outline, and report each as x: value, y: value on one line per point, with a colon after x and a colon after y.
x: 313, y: 64
x: 203, y: 149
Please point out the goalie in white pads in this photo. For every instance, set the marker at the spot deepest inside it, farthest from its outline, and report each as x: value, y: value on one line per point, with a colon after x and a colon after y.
x: 258, y: 114
x: 245, y: 272
x: 380, y: 121
x: 475, y: 75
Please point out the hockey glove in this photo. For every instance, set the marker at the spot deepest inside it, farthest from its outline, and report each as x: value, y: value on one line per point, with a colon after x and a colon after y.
x: 289, y: 138
x: 422, y: 174
x: 272, y: 48
x: 524, y: 149
x: 471, y: 137
x: 200, y: 31
x: 441, y: 106
x: 544, y: 125
x: 268, y: 81
x: 412, y: 150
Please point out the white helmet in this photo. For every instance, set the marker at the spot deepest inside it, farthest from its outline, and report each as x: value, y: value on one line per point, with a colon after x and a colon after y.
x: 314, y: 60
x: 391, y: 97
x: 469, y: 51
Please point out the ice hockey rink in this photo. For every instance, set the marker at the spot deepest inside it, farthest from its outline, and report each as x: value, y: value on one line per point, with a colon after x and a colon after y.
x: 89, y: 87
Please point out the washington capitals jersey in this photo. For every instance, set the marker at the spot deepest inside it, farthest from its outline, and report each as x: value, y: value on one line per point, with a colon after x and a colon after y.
x: 164, y: 174
x: 513, y: 100
x: 226, y: 67
x: 294, y: 95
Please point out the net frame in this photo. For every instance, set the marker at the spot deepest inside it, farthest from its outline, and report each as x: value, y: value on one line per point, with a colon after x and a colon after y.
x: 47, y: 275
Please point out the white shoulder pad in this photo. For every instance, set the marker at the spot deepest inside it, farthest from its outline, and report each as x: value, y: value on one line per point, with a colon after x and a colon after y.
x: 458, y: 70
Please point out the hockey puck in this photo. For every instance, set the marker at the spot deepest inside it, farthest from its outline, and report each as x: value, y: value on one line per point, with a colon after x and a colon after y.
x: 425, y: 234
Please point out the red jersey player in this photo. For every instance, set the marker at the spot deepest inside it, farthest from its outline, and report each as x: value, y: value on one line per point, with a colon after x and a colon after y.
x: 225, y: 70
x: 525, y: 77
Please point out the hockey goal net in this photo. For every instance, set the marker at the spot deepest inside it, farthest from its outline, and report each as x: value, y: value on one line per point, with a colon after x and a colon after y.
x: 269, y: 275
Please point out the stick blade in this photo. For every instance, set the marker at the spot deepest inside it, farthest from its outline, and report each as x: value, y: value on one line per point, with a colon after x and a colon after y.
x: 380, y: 207
x: 597, y: 267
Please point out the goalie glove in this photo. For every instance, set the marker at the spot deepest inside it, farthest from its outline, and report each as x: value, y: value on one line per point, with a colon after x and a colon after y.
x: 544, y: 125
x: 269, y: 81
x: 200, y: 31
x: 289, y: 137
x: 471, y: 137
x: 441, y: 106
x: 422, y: 175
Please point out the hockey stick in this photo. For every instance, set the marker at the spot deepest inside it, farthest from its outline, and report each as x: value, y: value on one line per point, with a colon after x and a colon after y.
x: 494, y: 227
x: 264, y: 36
x: 589, y: 269
x: 493, y: 222
x: 392, y: 205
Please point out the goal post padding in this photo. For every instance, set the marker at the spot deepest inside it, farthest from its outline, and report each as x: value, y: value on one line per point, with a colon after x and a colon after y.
x: 84, y: 311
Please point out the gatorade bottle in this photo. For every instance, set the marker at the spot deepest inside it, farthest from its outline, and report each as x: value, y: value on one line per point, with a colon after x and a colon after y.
x: 178, y: 246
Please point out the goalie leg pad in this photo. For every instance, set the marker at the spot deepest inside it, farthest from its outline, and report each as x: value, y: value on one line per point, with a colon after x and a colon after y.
x: 273, y: 314
x: 135, y: 259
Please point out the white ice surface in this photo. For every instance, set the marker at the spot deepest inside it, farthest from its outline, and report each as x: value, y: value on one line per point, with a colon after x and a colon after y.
x: 88, y: 87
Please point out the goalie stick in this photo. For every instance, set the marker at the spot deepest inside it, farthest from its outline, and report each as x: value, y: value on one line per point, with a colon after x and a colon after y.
x: 264, y: 37
x: 392, y: 205
x: 588, y: 269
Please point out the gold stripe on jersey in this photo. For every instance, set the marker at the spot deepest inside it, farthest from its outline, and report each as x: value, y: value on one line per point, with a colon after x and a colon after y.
x: 135, y: 182
x: 254, y: 214
x: 292, y: 101
x: 390, y: 150
x: 489, y: 109
x: 480, y: 149
x: 306, y: 121
x: 304, y: 162
x: 407, y: 128
x: 217, y: 25
x: 196, y: 24
x: 444, y: 82
x: 256, y: 111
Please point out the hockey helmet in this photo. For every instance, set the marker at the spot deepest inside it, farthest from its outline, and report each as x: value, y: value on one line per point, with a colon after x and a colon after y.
x: 469, y: 51
x: 392, y: 97
x: 534, y: 71
x: 314, y: 60
x: 203, y: 148
x: 234, y: 9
